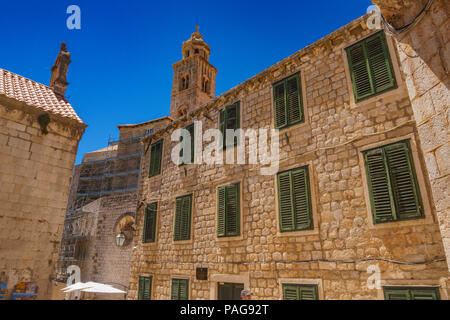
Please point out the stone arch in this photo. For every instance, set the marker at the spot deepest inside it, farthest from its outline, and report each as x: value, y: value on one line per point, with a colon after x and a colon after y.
x: 124, y: 223
x: 206, y: 84
x: 184, y: 82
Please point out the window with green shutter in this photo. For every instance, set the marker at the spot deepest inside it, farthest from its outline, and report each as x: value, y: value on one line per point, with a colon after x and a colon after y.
x: 229, y: 291
x: 228, y: 211
x: 371, y: 67
x: 145, y: 288
x: 229, y: 118
x: 287, y: 102
x: 300, y: 292
x: 393, y: 187
x: 182, y: 229
x: 294, y: 200
x: 411, y: 293
x: 155, y: 158
x: 149, y: 232
x: 191, y: 131
x: 180, y: 289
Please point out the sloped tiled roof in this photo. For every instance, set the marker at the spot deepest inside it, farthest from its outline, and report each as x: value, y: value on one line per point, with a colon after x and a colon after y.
x: 35, y: 94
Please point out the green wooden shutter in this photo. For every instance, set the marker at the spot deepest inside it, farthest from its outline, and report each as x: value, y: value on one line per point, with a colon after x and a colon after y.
x: 308, y: 292
x: 152, y: 160
x: 359, y: 70
x: 392, y: 182
x: 232, y: 227
x: 293, y: 100
x: 183, y: 289
x: 425, y: 294
x: 175, y: 289
x: 300, y: 292
x: 182, y: 230
x: 379, y: 186
x: 371, y: 67
x: 228, y: 211
x: 149, y: 232
x: 294, y: 200
x: 301, y: 199
x: 221, y: 212
x: 237, y: 106
x: 222, y: 127
x: 180, y: 289
x: 404, y: 185
x: 186, y: 214
x: 290, y: 292
x: 229, y: 118
x: 411, y: 293
x: 280, y: 112
x: 285, y: 202
x: 397, y: 294
x: 155, y: 158
x: 177, y: 227
x: 380, y: 63
x: 145, y: 288
x: 158, y: 158
x: 190, y: 129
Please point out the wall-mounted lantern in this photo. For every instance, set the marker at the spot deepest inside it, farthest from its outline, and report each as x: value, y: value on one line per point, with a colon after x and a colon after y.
x: 120, y: 239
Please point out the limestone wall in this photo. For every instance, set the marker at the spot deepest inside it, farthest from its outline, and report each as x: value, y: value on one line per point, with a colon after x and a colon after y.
x: 330, y: 141
x: 35, y: 171
x: 108, y: 263
x: 424, y: 52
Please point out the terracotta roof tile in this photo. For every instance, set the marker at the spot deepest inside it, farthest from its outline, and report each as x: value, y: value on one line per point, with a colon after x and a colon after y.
x: 35, y: 94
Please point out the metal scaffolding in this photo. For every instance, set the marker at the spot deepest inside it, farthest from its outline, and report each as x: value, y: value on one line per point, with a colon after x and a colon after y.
x: 116, y: 172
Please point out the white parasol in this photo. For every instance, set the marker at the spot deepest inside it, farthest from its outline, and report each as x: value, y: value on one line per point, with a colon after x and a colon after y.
x: 92, y: 287
x: 103, y: 289
x: 79, y: 286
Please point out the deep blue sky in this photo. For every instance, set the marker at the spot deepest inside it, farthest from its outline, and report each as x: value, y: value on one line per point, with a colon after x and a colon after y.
x: 121, y: 70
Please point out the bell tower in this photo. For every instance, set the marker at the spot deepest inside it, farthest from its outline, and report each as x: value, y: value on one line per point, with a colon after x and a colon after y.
x: 194, y: 78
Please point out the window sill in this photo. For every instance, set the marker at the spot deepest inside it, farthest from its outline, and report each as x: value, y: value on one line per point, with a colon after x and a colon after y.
x: 401, y: 223
x: 176, y: 242
x: 291, y: 125
x: 387, y: 96
x: 300, y: 233
x: 228, y: 239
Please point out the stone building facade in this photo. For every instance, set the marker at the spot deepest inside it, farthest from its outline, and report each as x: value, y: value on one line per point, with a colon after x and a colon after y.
x: 102, y: 205
x: 424, y: 52
x: 39, y: 135
x: 344, y: 246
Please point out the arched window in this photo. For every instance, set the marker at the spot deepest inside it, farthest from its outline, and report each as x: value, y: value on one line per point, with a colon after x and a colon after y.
x: 205, y: 85
x: 184, y: 83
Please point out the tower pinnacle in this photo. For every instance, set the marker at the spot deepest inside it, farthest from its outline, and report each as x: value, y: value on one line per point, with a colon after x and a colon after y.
x: 194, y: 77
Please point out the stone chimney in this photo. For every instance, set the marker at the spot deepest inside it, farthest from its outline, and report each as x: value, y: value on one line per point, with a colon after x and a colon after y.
x: 58, y: 81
